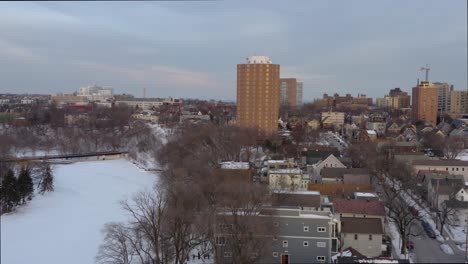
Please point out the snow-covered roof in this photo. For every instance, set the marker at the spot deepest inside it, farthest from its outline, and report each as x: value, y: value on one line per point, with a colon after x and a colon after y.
x: 233, y: 165
x: 364, y: 194
x: 371, y: 132
x: 291, y: 171
x: 298, y: 192
x: 276, y: 161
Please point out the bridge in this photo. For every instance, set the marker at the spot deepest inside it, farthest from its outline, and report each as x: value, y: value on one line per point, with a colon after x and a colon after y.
x: 103, y: 155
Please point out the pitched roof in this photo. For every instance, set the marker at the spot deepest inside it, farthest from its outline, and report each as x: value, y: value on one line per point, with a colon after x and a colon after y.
x: 359, y: 206
x: 447, y: 185
x: 441, y: 162
x: 361, y: 225
x: 305, y: 199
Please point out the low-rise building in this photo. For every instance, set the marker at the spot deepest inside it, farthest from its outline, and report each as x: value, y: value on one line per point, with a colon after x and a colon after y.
x: 287, y: 179
x: 363, y: 234
x: 331, y: 119
x: 454, y: 167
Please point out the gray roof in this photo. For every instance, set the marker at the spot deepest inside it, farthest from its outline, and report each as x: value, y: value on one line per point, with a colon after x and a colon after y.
x: 358, y: 225
x: 340, y: 172
x: 441, y: 162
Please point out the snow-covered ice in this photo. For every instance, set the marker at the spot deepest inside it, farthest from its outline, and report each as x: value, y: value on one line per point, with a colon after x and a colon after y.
x: 65, y: 226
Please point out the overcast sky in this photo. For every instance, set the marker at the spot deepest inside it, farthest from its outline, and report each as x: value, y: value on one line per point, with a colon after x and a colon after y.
x: 190, y: 49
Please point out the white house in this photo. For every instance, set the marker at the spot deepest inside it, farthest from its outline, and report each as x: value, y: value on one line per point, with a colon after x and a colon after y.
x: 290, y: 179
x: 330, y: 162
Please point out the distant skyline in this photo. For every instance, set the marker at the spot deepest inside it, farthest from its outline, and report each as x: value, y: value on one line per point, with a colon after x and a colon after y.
x: 190, y: 49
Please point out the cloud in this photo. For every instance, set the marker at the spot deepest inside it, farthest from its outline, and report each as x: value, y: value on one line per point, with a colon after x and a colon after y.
x: 158, y: 74
x: 15, y: 52
x: 300, y: 74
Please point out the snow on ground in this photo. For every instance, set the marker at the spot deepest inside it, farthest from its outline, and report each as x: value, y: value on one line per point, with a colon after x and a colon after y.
x: 446, y: 249
x: 463, y: 155
x: 461, y: 247
x: 65, y: 226
x: 396, y: 239
x: 457, y: 233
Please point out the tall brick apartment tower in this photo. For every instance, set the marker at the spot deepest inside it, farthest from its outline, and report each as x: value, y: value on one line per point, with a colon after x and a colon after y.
x: 258, y: 94
x: 425, y: 102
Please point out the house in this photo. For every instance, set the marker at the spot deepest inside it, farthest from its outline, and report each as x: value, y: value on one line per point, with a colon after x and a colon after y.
x: 363, y: 234
x: 334, y: 191
x: 360, y: 208
x: 317, y: 153
x: 288, y: 179
x: 329, y: 162
x: 441, y: 190
x: 336, y: 175
x: 372, y: 134
x: 299, y: 236
x: 454, y: 167
x: 394, y: 128
x: 230, y: 171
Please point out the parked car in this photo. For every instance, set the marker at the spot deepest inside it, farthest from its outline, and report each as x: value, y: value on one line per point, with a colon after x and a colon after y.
x: 409, y: 244
x: 413, y: 211
x: 430, y: 233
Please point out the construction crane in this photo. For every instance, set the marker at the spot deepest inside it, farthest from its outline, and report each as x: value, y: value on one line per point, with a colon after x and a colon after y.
x: 427, y: 71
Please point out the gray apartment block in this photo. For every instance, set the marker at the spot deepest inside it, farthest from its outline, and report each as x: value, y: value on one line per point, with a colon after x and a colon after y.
x: 301, y: 236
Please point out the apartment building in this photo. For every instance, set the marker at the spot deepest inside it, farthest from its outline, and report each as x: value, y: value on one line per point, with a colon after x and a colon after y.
x: 329, y: 119
x: 425, y: 102
x: 457, y: 102
x: 258, y: 94
x: 453, y: 167
x: 297, y: 236
x: 444, y: 90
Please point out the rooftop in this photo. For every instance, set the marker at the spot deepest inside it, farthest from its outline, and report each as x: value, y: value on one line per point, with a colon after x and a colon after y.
x: 259, y: 60
x: 361, y: 225
x: 359, y: 206
x: 233, y: 165
x: 441, y: 162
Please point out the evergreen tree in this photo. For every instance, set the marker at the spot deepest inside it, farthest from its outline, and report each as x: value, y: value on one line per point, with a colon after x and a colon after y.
x: 25, y: 185
x: 47, y: 182
x: 9, y: 191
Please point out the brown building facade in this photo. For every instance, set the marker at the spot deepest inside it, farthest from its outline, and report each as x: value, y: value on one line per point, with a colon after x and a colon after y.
x: 288, y: 91
x: 425, y: 102
x: 258, y: 94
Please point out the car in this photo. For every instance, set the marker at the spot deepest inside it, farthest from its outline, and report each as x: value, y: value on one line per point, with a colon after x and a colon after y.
x: 409, y: 244
x: 413, y: 211
x: 430, y: 233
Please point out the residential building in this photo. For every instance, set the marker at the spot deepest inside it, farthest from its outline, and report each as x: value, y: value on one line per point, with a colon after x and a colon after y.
x: 288, y: 179
x: 299, y: 94
x: 232, y: 171
x: 330, y: 119
x: 396, y: 99
x: 425, y: 102
x: 453, y: 167
x: 330, y: 162
x: 299, y: 236
x: 288, y: 91
x: 334, y: 191
x: 258, y: 94
x: 444, y: 90
x: 363, y: 234
x: 310, y: 199
x: 441, y: 190
x: 456, y: 102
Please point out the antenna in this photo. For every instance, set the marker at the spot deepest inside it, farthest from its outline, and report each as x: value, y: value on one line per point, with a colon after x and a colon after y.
x: 427, y: 71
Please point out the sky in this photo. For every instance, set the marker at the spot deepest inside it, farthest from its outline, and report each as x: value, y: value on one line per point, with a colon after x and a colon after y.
x: 190, y: 49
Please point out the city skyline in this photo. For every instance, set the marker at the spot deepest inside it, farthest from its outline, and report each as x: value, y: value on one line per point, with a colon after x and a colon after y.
x: 191, y: 49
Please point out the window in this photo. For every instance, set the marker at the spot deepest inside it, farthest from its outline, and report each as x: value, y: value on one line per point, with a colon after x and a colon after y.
x: 285, y: 243
x: 370, y: 237
x: 446, y: 168
x: 321, y: 229
x: 321, y: 244
x: 276, y: 224
x: 355, y: 236
x: 320, y: 258
x: 305, y: 243
x: 306, y: 229
x: 227, y: 254
x: 220, y: 240
x: 457, y: 169
x: 275, y: 254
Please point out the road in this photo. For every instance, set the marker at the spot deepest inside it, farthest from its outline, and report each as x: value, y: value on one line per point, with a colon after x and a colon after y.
x: 332, y: 140
x: 427, y: 250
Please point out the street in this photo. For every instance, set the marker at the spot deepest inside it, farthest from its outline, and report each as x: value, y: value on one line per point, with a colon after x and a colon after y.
x: 427, y: 250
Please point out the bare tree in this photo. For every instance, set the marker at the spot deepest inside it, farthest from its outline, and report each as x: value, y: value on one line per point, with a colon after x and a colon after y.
x: 453, y: 146
x: 446, y: 211
x: 117, y: 247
